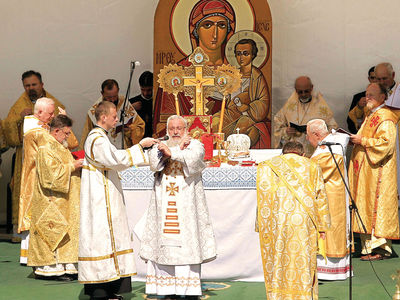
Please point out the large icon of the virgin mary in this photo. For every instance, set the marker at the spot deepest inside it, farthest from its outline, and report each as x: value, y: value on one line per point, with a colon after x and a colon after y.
x: 210, y: 24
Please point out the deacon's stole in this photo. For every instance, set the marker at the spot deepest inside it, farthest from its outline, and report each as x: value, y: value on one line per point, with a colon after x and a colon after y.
x: 291, y: 211
x: 336, y: 236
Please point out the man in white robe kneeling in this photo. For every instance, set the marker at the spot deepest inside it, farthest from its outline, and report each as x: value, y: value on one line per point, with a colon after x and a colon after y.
x: 106, y: 259
x: 178, y: 236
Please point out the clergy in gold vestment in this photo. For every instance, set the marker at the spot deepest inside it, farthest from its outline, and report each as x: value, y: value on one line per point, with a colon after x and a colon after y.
x: 301, y: 107
x: 133, y: 130
x: 54, y: 230
x: 336, y: 266
x: 35, y: 128
x: 373, y: 177
x: 292, y: 208
x: 13, y: 126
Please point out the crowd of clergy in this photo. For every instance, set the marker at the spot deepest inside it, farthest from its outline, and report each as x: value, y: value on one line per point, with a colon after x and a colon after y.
x: 68, y: 207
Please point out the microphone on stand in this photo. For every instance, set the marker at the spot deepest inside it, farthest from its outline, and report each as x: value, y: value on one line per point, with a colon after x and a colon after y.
x: 134, y: 64
x: 328, y: 144
x: 122, y: 117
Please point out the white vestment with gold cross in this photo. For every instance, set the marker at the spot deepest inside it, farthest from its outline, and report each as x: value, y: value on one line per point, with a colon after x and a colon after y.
x: 178, y: 229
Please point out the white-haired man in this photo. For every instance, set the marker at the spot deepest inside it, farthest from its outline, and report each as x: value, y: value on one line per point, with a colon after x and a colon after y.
x: 13, y: 131
x: 336, y: 266
x: 301, y: 107
x: 385, y: 75
x: 178, y: 235
x: 34, y: 127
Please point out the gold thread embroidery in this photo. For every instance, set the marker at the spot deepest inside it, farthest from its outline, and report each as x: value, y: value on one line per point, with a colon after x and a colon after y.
x: 171, y: 224
x: 109, y: 219
x: 91, y: 147
x: 108, y: 256
x: 173, y: 231
x: 172, y: 189
x: 171, y: 281
x: 130, y: 158
x: 89, y: 168
x: 32, y: 130
x: 144, y: 156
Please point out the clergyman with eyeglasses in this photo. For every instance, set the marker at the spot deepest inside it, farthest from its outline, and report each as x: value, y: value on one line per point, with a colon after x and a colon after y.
x: 302, y: 106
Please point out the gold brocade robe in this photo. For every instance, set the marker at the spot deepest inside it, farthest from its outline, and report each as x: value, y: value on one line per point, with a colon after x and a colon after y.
x: 336, y: 240
x: 131, y: 137
x: 32, y: 140
x: 54, y: 231
x: 288, y: 236
x: 13, y: 133
x: 373, y: 175
x: 300, y: 113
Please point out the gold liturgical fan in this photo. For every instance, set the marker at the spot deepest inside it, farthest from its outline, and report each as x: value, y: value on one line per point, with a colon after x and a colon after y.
x: 171, y: 81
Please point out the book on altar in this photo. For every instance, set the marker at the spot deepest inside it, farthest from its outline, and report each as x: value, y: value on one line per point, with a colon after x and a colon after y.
x: 119, y: 126
x: 78, y: 154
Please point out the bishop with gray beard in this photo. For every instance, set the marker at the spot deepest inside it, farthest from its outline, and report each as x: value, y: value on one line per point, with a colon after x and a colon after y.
x: 178, y: 236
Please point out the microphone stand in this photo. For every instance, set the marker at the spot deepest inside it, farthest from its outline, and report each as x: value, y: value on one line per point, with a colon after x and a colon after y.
x: 352, y: 207
x: 123, y: 115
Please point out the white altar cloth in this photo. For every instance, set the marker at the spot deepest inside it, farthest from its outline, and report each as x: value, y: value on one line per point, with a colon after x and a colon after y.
x: 231, y: 197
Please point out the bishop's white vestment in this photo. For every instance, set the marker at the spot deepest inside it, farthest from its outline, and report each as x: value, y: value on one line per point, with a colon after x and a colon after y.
x: 178, y: 232
x: 105, y: 251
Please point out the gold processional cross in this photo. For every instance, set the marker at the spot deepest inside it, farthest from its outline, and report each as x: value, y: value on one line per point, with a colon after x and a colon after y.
x: 199, y: 81
x: 198, y: 59
x: 196, y: 81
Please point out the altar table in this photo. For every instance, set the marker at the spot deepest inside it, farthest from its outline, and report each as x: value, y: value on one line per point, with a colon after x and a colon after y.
x: 231, y: 198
